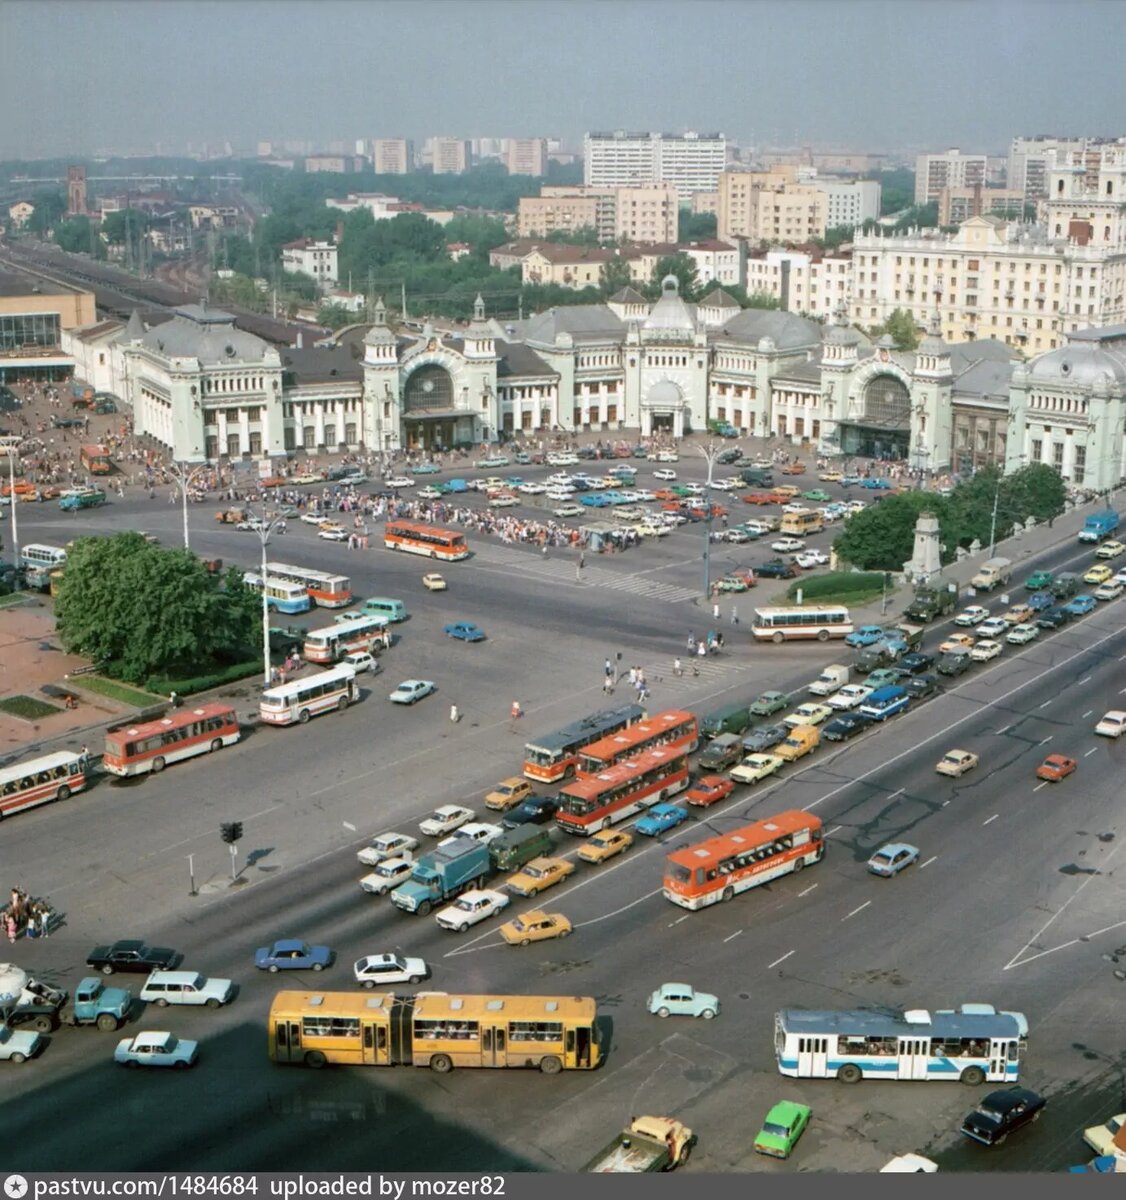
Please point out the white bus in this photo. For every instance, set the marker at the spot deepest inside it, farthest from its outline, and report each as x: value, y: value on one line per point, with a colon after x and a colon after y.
x: 304, y: 698
x: 970, y: 1044
x: 281, y: 594
x: 804, y: 621
x: 40, y: 780
x: 38, y: 561
x: 330, y: 644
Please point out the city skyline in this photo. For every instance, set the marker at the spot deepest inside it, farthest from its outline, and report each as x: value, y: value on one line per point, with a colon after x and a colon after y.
x: 843, y: 74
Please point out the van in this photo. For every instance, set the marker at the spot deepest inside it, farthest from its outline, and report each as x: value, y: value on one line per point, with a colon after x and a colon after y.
x: 515, y: 847
x: 831, y: 680
x: 1065, y: 585
x: 884, y: 702
x: 186, y: 987
x: 722, y: 752
x: 380, y: 606
x: 732, y: 718
x: 800, y: 741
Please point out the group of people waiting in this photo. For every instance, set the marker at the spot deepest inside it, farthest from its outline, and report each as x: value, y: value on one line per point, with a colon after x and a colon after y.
x: 25, y: 915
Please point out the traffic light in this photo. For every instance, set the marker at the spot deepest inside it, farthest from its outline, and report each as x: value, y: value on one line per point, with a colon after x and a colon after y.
x: 231, y: 832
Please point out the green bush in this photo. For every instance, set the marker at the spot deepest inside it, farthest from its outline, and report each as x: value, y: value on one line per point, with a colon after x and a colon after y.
x: 202, y: 683
x: 836, y: 583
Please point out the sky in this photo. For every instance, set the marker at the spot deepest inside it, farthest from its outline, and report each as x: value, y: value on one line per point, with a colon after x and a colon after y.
x: 882, y: 75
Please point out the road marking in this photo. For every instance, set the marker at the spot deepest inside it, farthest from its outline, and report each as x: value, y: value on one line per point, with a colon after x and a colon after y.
x: 1093, y: 750
x: 988, y: 820
x: 1087, y: 714
x: 1005, y: 730
x: 1046, y: 740
x: 807, y: 890
x: 779, y: 960
x: 679, y: 919
x: 1086, y: 680
x: 928, y: 862
x: 1040, y: 785
x: 856, y: 910
x: 945, y: 803
x: 1086, y: 937
x: 1045, y: 704
x: 732, y: 937
x: 899, y: 793
x: 349, y: 826
x: 834, y: 830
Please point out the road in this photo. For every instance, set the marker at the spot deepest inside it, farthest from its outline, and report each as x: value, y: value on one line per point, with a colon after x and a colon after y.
x: 1017, y: 902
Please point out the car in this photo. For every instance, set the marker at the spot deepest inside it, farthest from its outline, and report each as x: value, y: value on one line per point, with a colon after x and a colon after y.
x: 387, y: 845
x: 252, y: 525
x: 503, y: 500
x: 533, y: 489
x: 1113, y: 724
x: 992, y: 627
x: 471, y: 907
x: 1101, y: 1137
x: 795, y: 468
x: 664, y: 474
x: 783, y: 1125
x: 434, y: 582
x: 829, y: 476
x: 426, y: 469
x: 291, y: 954
x: 360, y: 661
x: 866, y: 635
x: 884, y: 677
x: 889, y: 860
x: 769, y: 703
x: 567, y: 510
x: 660, y: 819
x: 1111, y: 550
x: 1081, y: 605
x: 1039, y: 579
x: 878, y: 485
x: 956, y: 642
x: 808, y: 559
x: 445, y: 819
x: 708, y: 790
x: 1041, y: 601
x: 1099, y: 573
x: 508, y: 794
x: 465, y: 631
x: 787, y: 545
x: 776, y: 568
x: 189, y: 988
x: 308, y: 477
x: 155, y: 1048
x: 606, y: 844
x: 478, y: 831
x: 916, y: 662
x: 909, y: 1164
x: 818, y: 495
x: 536, y: 810
x: 756, y: 767
x: 986, y: 649
x: 378, y: 970
x: 493, y: 460
x: 1019, y: 614
x: 841, y: 728
x: 764, y: 737
x: 1056, y: 767
x: 957, y: 762
x: 1019, y: 634
x: 538, y: 875
x: 1002, y: 1112
x: 850, y: 696
x: 388, y: 875
x: 535, y: 926
x: 810, y: 713
x: 431, y: 493
x: 682, y: 1000
x: 1120, y: 574
x: 919, y: 686
x: 1110, y: 590
x: 591, y: 500
x: 973, y: 615
x: 1054, y: 617
x: 313, y: 518
x: 411, y: 690
x: 131, y: 955
x: 333, y: 533
x: 399, y: 481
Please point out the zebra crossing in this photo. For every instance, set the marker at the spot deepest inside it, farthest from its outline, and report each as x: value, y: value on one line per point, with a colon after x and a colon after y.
x: 697, y: 673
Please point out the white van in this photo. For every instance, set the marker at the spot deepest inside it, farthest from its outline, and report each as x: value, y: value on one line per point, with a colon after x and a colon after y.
x: 186, y: 987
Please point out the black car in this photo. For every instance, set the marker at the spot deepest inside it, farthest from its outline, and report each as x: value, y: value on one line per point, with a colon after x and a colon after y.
x: 919, y: 686
x: 841, y: 728
x: 727, y: 457
x: 586, y: 452
x: 68, y: 422
x: 536, y: 810
x: 776, y: 568
x: 764, y: 737
x: 131, y: 956
x: 1002, y: 1112
x: 954, y: 664
x: 916, y: 662
x: 1053, y: 618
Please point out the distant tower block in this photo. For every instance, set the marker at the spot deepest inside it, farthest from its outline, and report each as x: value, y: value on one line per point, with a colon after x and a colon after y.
x: 927, y: 559
x: 76, y: 191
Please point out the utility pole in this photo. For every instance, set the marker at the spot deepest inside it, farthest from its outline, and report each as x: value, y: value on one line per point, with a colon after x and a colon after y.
x: 710, y: 453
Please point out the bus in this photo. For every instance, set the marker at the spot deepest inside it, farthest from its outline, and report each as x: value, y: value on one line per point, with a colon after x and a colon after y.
x: 671, y: 728
x: 428, y: 540
x: 717, y: 868
x: 39, y: 560
x: 325, y: 590
x: 594, y: 802
x: 40, y: 780
x: 971, y: 1044
x: 95, y: 459
x: 301, y: 699
x: 801, y: 621
x: 330, y: 644
x: 281, y: 594
x: 802, y: 523
x: 435, y: 1030
x: 555, y: 756
x: 137, y: 749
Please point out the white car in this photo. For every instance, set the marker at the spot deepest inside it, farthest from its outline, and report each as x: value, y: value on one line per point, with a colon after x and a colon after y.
x: 666, y: 456
x: 643, y: 496
x: 567, y: 510
x: 313, y: 518
x: 855, y: 506
x: 1113, y: 724
x: 389, y: 874
x: 739, y: 537
x: 186, y: 987
x: 759, y: 527
x: 532, y: 489
x: 387, y: 845
x: 693, y: 489
x: 16, y: 1045
x: 563, y: 459
x: 399, y: 481
x: 991, y: 627
x: 503, y: 501
x: 479, y: 831
x: 558, y: 493
x: 361, y: 660
x: 333, y: 534
x: 984, y: 650
x: 1110, y: 590
x: 471, y: 907
x: 561, y: 479
x: 664, y: 474
x: 851, y: 695
x: 811, y: 558
x: 1019, y: 634
x: 787, y: 545
x: 307, y: 477
x: 255, y: 524
x: 430, y: 492
x: 973, y: 615
x: 723, y: 485
x: 155, y: 1049
x: 796, y: 507
x: 445, y: 819
x: 1120, y: 575
x: 655, y: 528
x: 377, y: 970
x: 411, y: 690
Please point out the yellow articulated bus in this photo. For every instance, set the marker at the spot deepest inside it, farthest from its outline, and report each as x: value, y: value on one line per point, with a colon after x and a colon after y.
x: 435, y: 1030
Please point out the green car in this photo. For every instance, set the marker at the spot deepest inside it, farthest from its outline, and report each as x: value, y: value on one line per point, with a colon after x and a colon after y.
x: 769, y: 703
x: 682, y: 491
x: 1039, y: 579
x: 884, y: 677
x: 818, y: 494
x: 784, y: 1124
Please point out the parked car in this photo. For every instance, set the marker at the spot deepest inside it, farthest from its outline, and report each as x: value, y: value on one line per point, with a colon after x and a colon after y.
x: 1002, y: 1112
x: 889, y: 860
x: 776, y: 568
x: 682, y: 1000
x: 155, y: 1048
x: 379, y: 970
x: 289, y: 954
x: 660, y: 819
x: 360, y: 661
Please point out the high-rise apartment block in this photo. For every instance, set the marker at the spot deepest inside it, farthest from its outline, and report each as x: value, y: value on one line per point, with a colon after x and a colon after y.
x: 628, y: 214
x: 691, y: 162
x: 849, y: 201
x: 770, y: 206
x: 393, y: 156
x: 1032, y: 159
x: 526, y: 156
x: 933, y: 172
x: 449, y: 156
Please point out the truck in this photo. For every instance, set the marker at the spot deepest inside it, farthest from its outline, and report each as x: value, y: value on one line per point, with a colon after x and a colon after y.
x: 82, y: 498
x: 1099, y: 525
x: 995, y: 572
x: 932, y: 600
x: 232, y: 516
x: 831, y: 680
x: 646, y: 1144
x: 24, y: 1000
x: 758, y: 477
x: 444, y: 872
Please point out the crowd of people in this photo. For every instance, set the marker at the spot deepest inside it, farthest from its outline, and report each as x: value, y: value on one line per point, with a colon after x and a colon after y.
x: 25, y: 915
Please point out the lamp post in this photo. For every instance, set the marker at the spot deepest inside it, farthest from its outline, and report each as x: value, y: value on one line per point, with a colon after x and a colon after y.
x: 710, y: 453
x: 263, y: 529
x: 11, y: 444
x: 185, y: 476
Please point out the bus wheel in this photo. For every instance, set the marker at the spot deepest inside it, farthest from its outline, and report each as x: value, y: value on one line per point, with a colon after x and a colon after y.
x: 157, y: 765
x: 315, y: 1059
x: 550, y: 1065
x: 728, y: 894
x: 798, y: 865
x: 779, y: 637
x: 973, y: 1076
x: 217, y: 744
x: 303, y: 716
x: 342, y: 703
x: 822, y: 635
x: 850, y: 1073
x: 63, y: 793
x: 442, y: 1063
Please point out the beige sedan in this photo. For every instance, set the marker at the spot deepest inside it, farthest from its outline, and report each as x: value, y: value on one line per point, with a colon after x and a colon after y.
x: 434, y: 583
x: 956, y: 763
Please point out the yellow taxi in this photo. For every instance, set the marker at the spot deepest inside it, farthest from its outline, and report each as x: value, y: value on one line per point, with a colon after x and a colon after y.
x: 535, y: 926
x: 1099, y: 573
x: 508, y: 794
x: 1110, y: 550
x: 604, y: 845
x: 956, y: 641
x: 538, y: 875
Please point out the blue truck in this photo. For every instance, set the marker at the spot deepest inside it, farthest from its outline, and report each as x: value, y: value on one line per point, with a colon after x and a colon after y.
x: 444, y: 872
x: 1099, y: 525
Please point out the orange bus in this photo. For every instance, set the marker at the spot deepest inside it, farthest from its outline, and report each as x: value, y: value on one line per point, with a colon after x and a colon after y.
x: 427, y: 540
x: 40, y: 780
x: 715, y: 869
x: 95, y: 459
x: 136, y: 749
x: 556, y: 755
x: 671, y: 728
x: 594, y: 802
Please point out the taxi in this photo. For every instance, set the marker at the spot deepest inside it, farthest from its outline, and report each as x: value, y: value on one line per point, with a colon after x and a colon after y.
x: 535, y: 926
x: 538, y: 875
x: 1099, y: 573
x: 605, y: 845
x: 955, y: 642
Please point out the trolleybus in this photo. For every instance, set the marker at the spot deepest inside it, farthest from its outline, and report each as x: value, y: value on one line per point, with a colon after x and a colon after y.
x: 328, y: 591
x: 593, y: 802
x: 281, y: 594
x: 555, y: 756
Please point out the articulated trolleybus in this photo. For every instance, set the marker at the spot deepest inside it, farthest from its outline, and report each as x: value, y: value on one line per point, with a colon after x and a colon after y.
x: 593, y: 802
x: 971, y: 1044
x: 556, y: 755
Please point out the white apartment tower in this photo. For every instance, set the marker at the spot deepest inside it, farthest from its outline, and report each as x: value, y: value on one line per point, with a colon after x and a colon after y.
x: 393, y: 156
x: 933, y: 172
x: 690, y: 162
x: 449, y: 156
x: 526, y: 156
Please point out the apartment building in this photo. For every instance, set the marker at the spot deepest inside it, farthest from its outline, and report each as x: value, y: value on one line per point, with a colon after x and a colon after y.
x: 803, y: 280
x: 690, y: 162
x: 334, y: 164
x: 318, y: 259
x: 849, y: 202
x: 526, y: 156
x: 956, y: 205
x: 628, y: 214
x: 952, y: 169
x: 450, y: 156
x: 770, y: 207
x: 1032, y: 159
x: 393, y: 156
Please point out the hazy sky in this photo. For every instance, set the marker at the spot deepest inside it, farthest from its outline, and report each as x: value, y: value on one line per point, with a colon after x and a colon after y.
x: 880, y: 74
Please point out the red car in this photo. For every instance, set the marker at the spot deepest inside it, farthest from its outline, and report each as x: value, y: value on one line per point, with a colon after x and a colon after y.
x: 709, y: 789
x: 1056, y: 767
x: 794, y: 469
x: 760, y: 498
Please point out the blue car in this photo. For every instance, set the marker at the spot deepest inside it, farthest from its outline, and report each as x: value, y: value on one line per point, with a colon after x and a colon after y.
x: 465, y: 631
x: 1081, y: 605
x: 866, y: 635
x: 1041, y: 601
x: 426, y: 469
x: 457, y: 485
x: 876, y: 485
x: 613, y: 497
x: 594, y: 500
x: 661, y: 818
x: 290, y: 954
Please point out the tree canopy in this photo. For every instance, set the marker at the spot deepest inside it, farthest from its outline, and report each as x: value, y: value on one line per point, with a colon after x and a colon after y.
x: 695, y: 227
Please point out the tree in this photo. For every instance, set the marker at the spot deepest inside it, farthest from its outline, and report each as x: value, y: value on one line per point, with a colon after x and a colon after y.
x: 78, y: 236
x: 684, y: 268
x: 1037, y: 491
x: 482, y: 233
x: 901, y: 326
x: 695, y: 227
x: 882, y: 536
x: 897, y: 189
x: 138, y: 610
x: 616, y: 274
x: 585, y: 235
x: 125, y: 226
x: 49, y: 209
x: 336, y: 316
x: 761, y: 300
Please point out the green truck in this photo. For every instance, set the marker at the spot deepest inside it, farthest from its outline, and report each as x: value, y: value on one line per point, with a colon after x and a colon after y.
x: 646, y: 1144
x: 932, y: 601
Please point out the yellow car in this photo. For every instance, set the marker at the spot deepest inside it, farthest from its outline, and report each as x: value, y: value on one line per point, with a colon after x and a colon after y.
x: 434, y: 583
x: 1101, y: 1137
x: 538, y: 875
x: 535, y: 926
x: 1110, y: 550
x: 830, y: 477
x: 755, y: 767
x: 1098, y: 574
x: 788, y: 490
x: 508, y: 794
x: 956, y: 763
x: 1019, y: 615
x: 956, y: 641
x: 604, y: 845
x: 807, y: 714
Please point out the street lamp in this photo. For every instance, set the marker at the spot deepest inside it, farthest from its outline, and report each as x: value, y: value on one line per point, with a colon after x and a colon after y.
x: 185, y: 476
x: 263, y: 529
x: 710, y: 453
x: 11, y: 444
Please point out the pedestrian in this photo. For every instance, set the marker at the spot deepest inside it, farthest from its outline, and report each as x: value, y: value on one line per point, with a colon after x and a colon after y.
x: 715, y: 611
x: 84, y: 757
x: 455, y: 716
x: 677, y: 667
x: 633, y: 677
x: 609, y: 668
x: 174, y: 699
x: 734, y: 615
x: 701, y: 650
x: 608, y: 685
x: 12, y: 929
x: 517, y: 712
x: 44, y: 921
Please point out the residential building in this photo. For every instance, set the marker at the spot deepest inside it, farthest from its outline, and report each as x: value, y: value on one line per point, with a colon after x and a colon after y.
x: 334, y: 164
x: 690, y: 162
x: 378, y: 204
x: 565, y: 265
x: 770, y: 207
x: 458, y: 250
x: 804, y: 279
x: 393, y: 156
x: 1031, y: 160
x: 526, y: 156
x: 646, y: 214
x: 933, y: 172
x: 705, y: 202
x: 308, y: 257
x: 956, y: 205
x: 20, y: 213
x: 627, y: 214
x: 352, y: 301
x: 850, y: 202
x: 449, y: 156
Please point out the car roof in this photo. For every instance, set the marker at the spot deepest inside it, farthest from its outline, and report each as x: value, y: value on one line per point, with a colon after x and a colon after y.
x: 896, y: 847
x: 289, y: 944
x: 785, y: 1109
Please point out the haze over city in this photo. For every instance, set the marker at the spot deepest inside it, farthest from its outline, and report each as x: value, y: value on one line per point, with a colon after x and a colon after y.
x: 96, y: 77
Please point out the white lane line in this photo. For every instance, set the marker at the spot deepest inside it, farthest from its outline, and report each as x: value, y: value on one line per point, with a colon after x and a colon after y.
x: 856, y: 910
x: 349, y: 826
x: 807, y: 890
x: 779, y: 960
x: 1086, y: 680
x: 679, y: 919
x: 945, y: 803
x: 1087, y: 714
x: 899, y: 793
x: 833, y: 830
x: 732, y: 937
x: 1086, y: 937
x: 1046, y: 740
x: 1045, y: 704
x: 263, y: 813
x: 1005, y: 730
x: 1093, y: 750
x: 988, y: 820
x: 928, y: 862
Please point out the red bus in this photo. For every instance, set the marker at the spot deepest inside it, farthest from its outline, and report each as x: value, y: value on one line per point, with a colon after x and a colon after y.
x: 718, y: 868
x: 135, y: 749
x: 595, y: 802
x: 671, y: 728
x: 427, y: 540
x: 40, y: 780
x: 556, y: 755
x: 95, y: 459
